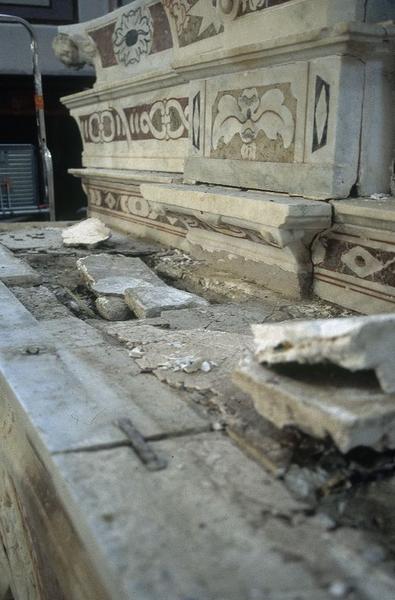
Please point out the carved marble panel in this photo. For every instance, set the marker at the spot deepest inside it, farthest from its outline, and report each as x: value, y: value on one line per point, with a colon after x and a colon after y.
x: 256, y: 123
x: 148, y: 130
x: 262, y: 121
x: 166, y: 119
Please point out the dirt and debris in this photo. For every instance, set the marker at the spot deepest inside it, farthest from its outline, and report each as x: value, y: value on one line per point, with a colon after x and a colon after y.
x: 195, y: 349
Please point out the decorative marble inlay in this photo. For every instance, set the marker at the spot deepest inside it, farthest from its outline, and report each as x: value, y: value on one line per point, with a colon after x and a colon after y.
x: 132, y: 36
x: 254, y: 124
x: 361, y: 262
x: 137, y: 33
x: 194, y: 20
x: 341, y: 255
x: 162, y: 120
x: 196, y: 121
x: 231, y: 9
x: 321, y: 114
x: 102, y: 126
x: 133, y: 207
x: 103, y: 40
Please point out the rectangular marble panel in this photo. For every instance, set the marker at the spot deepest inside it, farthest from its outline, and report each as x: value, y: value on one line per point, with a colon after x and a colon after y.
x: 259, y: 116
x: 151, y: 129
x: 292, y: 128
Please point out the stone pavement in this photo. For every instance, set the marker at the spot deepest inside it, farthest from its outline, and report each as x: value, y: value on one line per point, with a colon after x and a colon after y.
x: 81, y: 515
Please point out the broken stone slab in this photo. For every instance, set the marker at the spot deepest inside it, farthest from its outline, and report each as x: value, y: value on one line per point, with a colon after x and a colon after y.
x: 112, y: 308
x: 130, y: 278
x: 150, y: 300
x: 15, y: 271
x: 193, y: 359
x: 354, y: 343
x: 113, y: 274
x: 90, y: 232
x: 324, y: 401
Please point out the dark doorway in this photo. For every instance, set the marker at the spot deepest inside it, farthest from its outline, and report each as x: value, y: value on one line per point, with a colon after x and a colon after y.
x: 18, y: 126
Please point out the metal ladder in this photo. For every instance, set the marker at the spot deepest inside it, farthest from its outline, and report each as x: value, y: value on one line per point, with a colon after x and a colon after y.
x: 46, y: 158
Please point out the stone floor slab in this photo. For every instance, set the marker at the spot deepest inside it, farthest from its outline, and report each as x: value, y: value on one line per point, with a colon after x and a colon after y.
x: 191, y: 530
x: 15, y: 271
x: 73, y: 384
x: 192, y: 359
x: 34, y: 238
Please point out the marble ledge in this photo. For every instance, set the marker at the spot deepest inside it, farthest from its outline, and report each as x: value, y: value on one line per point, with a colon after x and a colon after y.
x: 366, y: 212
x: 257, y: 208
x: 361, y: 38
x: 125, y: 86
x: 125, y: 175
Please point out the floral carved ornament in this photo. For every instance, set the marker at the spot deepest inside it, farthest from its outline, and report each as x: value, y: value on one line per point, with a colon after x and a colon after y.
x: 247, y: 115
x: 132, y: 36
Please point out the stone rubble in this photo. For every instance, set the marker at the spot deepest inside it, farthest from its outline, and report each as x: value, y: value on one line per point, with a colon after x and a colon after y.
x: 90, y: 233
x: 321, y: 401
x: 354, y: 343
x: 112, y: 308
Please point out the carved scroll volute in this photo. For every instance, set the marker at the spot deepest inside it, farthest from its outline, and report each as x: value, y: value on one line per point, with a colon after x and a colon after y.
x: 228, y: 9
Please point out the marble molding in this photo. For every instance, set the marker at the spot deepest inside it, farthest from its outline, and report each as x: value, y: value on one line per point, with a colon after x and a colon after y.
x: 244, y: 93
x: 354, y: 261
x: 294, y: 114
x: 263, y: 237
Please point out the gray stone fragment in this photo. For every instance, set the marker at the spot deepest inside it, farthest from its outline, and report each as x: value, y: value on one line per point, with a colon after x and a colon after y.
x: 15, y: 271
x: 355, y: 343
x: 150, y: 300
x: 113, y: 274
x: 86, y: 233
x: 112, y: 308
x: 321, y: 402
x: 145, y: 293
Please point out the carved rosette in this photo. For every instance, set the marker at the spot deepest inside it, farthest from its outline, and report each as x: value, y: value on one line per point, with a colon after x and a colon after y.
x: 132, y: 36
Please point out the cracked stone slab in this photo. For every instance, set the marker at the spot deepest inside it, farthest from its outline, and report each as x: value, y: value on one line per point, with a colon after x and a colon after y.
x: 113, y: 274
x: 73, y: 384
x: 322, y: 401
x: 354, y: 343
x: 222, y: 500
x: 89, y: 232
x: 130, y: 278
x: 230, y: 317
x: 148, y: 300
x: 15, y: 271
x: 193, y: 359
